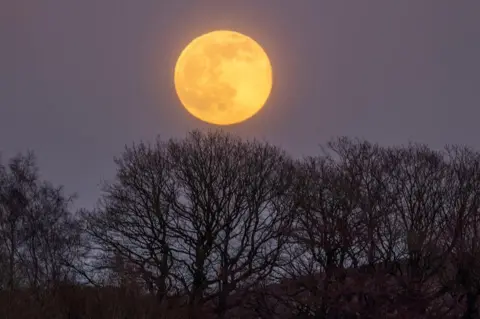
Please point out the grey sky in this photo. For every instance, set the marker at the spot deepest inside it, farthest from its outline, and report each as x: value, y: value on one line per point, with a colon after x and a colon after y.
x: 80, y: 79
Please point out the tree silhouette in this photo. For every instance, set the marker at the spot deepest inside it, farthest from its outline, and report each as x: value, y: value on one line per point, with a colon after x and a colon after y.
x: 204, y: 215
x: 38, y: 234
x: 212, y: 226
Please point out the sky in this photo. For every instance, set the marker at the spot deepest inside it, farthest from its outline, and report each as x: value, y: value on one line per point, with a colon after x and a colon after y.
x: 81, y: 79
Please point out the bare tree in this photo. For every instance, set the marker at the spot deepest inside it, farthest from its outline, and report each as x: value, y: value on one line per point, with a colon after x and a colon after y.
x: 341, y: 225
x: 212, y: 226
x: 232, y: 213
x: 322, y: 237
x: 204, y: 215
x: 416, y: 195
x: 377, y: 231
x: 462, y: 277
x: 405, y: 206
x: 131, y: 223
x: 38, y: 234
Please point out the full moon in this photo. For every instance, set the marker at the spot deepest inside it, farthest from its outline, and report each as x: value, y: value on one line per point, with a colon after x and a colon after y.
x: 223, y: 77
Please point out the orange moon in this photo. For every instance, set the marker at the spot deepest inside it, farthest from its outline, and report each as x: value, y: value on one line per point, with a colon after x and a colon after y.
x: 223, y: 77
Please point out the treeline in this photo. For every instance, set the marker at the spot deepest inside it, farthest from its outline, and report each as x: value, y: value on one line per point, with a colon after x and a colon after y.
x: 212, y: 226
